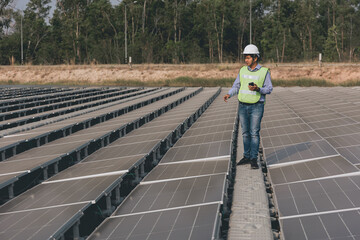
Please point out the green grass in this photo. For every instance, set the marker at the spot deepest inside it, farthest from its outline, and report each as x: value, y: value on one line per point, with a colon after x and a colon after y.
x: 305, y: 82
x: 188, y: 82
x: 351, y: 83
x: 177, y: 82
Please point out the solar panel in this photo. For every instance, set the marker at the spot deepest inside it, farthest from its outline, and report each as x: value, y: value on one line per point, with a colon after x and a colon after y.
x: 213, y: 123
x: 325, y: 167
x: 183, y: 170
x: 339, y: 131
x: 290, y: 139
x: 283, y: 130
x: 277, y: 117
x: 207, y: 130
x: 318, y: 196
x: 179, y: 185
x: 198, y: 151
x: 59, y: 193
x: 345, y: 141
x: 281, y: 123
x: 206, y: 138
x: 33, y: 225
x: 298, y: 152
x: 93, y: 166
x: 351, y: 153
x: 332, y: 123
x: 313, y: 173
x: 193, y: 223
x: 338, y: 225
x: 174, y: 193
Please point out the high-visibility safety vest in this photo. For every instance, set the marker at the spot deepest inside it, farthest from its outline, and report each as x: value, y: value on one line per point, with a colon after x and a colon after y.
x: 246, y: 77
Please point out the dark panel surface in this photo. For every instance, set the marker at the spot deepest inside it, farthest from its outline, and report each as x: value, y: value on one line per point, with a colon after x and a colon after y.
x: 287, y: 115
x: 220, y: 117
x: 332, y: 123
x: 342, y: 225
x: 323, y: 117
x: 52, y: 194
x: 351, y: 153
x: 152, y: 129
x: 340, y: 130
x: 201, y: 139
x: 310, y: 170
x: 98, y: 166
x: 130, y: 139
x: 290, y: 139
x: 280, y: 123
x: 38, y: 224
x: 126, y: 149
x: 177, y: 193
x: 180, y: 170
x: 301, y: 151
x: 191, y: 223
x: 345, y: 141
x: 198, y: 151
x: 267, y: 132
x: 318, y: 196
x: 212, y: 123
x: 21, y: 163
x: 207, y: 130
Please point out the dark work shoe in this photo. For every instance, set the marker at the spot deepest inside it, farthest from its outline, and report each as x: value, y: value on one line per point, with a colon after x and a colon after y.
x: 243, y: 161
x: 254, y: 164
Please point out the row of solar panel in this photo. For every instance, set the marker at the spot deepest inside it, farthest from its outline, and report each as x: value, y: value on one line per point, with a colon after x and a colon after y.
x: 311, y: 141
x: 42, y: 133
x: 81, y: 106
x: 58, y: 103
x: 72, y: 146
x: 24, y: 94
x: 55, y: 97
x: 84, y: 185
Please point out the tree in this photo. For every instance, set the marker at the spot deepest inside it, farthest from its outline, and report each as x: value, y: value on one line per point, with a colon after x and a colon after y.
x: 35, y: 27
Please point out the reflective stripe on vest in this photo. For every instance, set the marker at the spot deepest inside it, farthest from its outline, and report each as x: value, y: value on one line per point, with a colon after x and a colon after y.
x: 246, y: 76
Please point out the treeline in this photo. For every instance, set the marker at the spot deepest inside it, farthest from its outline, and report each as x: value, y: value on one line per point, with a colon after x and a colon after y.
x: 178, y: 31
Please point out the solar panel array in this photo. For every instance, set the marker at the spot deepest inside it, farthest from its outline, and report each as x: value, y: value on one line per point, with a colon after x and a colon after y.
x: 60, y: 178
x: 311, y: 144
x: 156, y: 163
x: 182, y: 196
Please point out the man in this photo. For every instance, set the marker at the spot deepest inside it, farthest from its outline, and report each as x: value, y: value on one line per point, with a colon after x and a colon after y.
x: 251, y: 85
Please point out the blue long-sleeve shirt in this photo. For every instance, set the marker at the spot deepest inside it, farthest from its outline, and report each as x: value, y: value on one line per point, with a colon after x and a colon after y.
x: 265, y: 89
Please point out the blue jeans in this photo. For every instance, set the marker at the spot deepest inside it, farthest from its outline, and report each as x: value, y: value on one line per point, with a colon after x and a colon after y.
x: 250, y: 119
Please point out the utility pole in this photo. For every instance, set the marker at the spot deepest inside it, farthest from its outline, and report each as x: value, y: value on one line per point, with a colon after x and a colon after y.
x: 250, y: 24
x: 125, y: 37
x: 22, y: 48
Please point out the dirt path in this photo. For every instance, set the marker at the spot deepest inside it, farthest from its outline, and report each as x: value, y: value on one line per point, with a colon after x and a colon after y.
x: 335, y: 73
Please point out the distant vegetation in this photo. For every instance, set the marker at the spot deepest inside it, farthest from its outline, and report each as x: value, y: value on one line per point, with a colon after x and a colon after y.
x: 179, y: 31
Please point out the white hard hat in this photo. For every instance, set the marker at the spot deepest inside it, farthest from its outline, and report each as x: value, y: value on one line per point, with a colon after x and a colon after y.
x: 251, y: 49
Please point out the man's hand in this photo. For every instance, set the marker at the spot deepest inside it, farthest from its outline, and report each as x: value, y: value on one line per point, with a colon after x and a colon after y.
x: 226, y: 97
x: 253, y: 88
